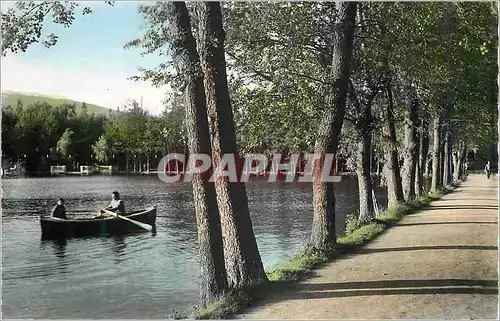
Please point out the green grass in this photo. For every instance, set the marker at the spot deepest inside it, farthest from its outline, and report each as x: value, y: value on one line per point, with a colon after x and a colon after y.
x: 309, y: 259
x: 361, y: 235
x: 299, y: 266
x: 228, y: 304
x: 27, y: 99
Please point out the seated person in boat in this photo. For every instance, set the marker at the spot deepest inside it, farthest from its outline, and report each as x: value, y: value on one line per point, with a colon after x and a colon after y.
x: 59, y: 210
x: 116, y: 205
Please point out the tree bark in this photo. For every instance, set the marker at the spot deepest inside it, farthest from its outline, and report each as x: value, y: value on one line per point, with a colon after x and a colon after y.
x: 458, y: 160
x: 448, y: 171
x: 410, y: 152
x: 423, y: 151
x: 462, y: 160
x: 323, y: 226
x: 447, y: 161
x: 417, y: 180
x: 456, y: 164
x: 393, y: 173
x: 212, y: 270
x: 364, y: 176
x: 243, y: 262
x: 436, y: 177
x: 442, y: 159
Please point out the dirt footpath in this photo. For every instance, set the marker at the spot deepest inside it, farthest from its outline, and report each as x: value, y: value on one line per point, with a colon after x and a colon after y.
x: 439, y: 263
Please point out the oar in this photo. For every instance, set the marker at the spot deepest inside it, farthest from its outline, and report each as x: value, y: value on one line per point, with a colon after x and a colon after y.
x: 143, y: 225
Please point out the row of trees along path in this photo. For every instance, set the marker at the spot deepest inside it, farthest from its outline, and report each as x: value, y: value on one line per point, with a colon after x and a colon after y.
x: 439, y: 263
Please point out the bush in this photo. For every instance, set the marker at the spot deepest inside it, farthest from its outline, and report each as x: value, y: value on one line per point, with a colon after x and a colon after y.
x: 351, y: 223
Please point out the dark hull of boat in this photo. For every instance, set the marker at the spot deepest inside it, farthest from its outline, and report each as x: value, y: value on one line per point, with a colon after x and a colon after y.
x: 54, y: 228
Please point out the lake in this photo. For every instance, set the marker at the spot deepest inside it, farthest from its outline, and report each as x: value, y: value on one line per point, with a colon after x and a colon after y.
x: 142, y: 276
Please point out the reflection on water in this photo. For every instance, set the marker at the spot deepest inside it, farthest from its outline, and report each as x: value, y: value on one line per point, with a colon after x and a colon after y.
x: 59, y: 250
x: 145, y: 275
x: 118, y: 247
x: 60, y: 247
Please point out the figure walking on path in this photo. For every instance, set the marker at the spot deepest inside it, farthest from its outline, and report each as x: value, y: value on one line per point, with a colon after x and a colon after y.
x: 487, y: 169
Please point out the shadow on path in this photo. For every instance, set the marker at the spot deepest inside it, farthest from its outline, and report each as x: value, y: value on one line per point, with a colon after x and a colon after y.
x: 397, y: 284
x: 465, y: 207
x: 470, y: 199
x: 427, y: 248
x: 445, y: 223
x: 412, y: 291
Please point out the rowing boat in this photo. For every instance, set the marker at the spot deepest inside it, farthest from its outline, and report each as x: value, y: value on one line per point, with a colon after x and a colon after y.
x: 53, y: 227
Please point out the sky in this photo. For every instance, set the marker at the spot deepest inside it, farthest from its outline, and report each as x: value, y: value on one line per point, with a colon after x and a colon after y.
x: 88, y: 63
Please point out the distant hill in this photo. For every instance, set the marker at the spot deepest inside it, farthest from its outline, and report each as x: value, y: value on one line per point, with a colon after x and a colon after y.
x: 10, y: 98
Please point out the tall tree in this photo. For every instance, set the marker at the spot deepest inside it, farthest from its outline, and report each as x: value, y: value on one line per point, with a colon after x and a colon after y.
x: 65, y: 144
x: 411, y: 150
x: 436, y: 159
x: 323, y: 228
x: 101, y: 150
x: 242, y: 258
x: 423, y: 151
x: 369, y: 75
x: 448, y: 105
x: 392, y: 170
x: 185, y: 56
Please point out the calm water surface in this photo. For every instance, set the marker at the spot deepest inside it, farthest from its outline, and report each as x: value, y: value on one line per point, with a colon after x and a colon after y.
x: 136, y: 276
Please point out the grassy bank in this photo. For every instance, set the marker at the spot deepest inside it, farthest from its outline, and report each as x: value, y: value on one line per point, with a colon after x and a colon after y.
x: 309, y: 259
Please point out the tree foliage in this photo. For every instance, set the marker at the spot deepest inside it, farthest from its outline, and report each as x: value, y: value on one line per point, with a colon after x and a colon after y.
x: 41, y: 131
x: 22, y: 24
x: 65, y: 144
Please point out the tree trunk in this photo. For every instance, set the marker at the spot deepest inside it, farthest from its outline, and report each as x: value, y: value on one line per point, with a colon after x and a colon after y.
x: 410, y: 153
x: 448, y: 171
x: 212, y: 270
x: 242, y: 258
x: 436, y: 177
x: 441, y: 159
x: 371, y: 155
x: 417, y: 180
x: 422, y: 162
x: 323, y: 226
x: 127, y: 161
x: 456, y: 160
x: 462, y: 160
x: 393, y: 173
x: 364, y: 176
x: 447, y: 159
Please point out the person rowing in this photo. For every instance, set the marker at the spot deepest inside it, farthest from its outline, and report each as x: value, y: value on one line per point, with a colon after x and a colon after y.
x: 59, y: 210
x: 117, y: 205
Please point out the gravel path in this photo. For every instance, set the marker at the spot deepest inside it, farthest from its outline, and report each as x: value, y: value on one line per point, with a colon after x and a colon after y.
x: 439, y: 263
